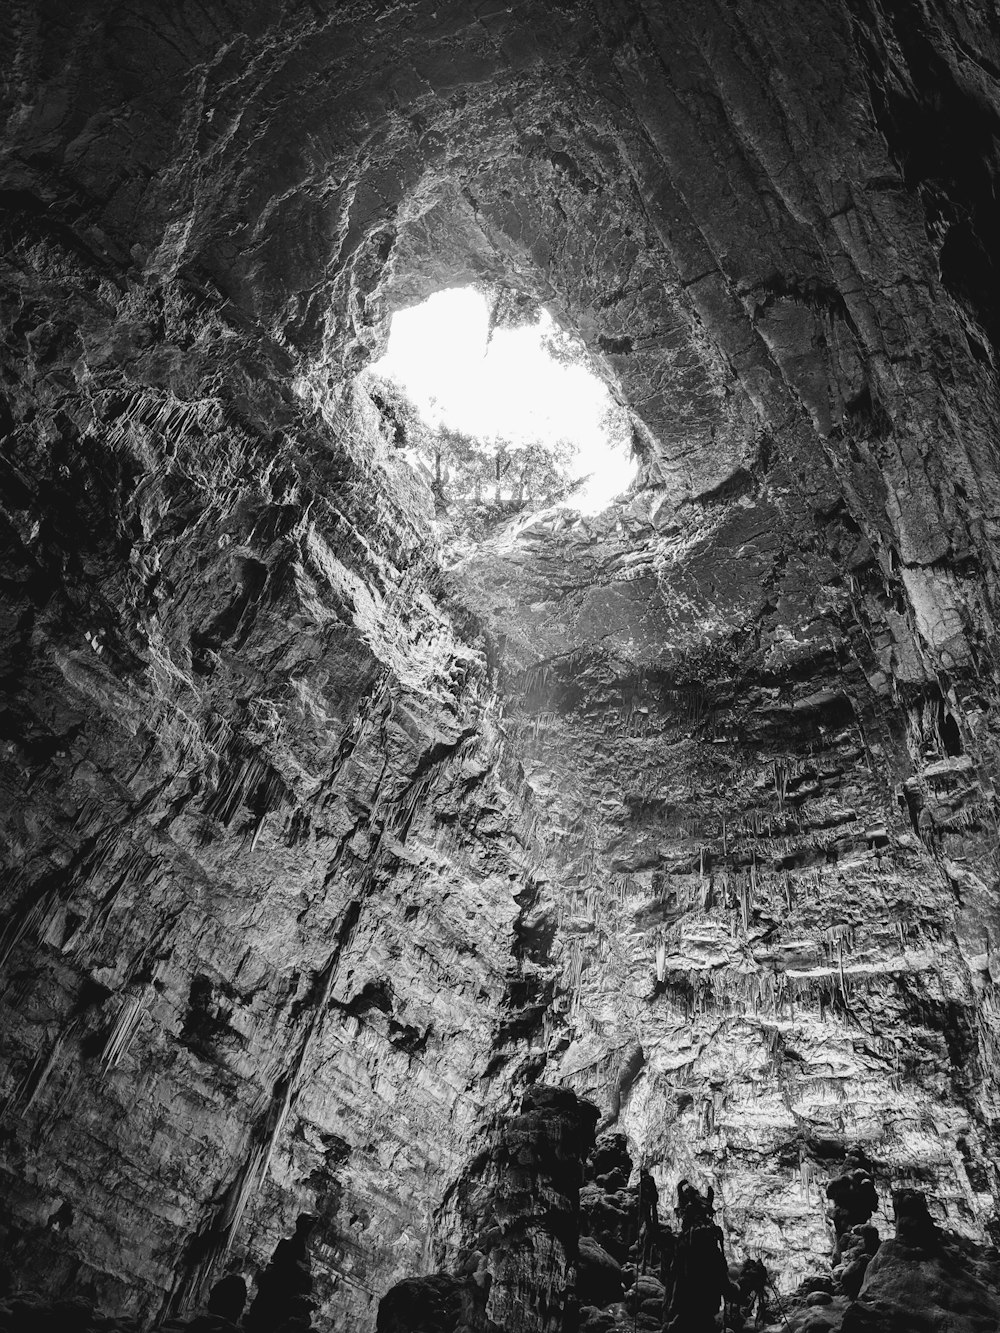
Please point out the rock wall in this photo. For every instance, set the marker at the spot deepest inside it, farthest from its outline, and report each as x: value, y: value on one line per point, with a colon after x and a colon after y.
x: 266, y: 842
x: 310, y: 867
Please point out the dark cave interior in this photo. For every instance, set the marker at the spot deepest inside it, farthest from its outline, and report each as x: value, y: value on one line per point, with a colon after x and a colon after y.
x: 430, y: 918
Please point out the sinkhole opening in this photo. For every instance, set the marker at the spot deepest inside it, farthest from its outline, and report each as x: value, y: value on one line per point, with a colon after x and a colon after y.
x: 499, y: 408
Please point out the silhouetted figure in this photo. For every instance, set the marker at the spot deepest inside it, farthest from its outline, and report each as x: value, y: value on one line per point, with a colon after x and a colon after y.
x: 228, y: 1297
x: 853, y: 1193
x: 693, y: 1207
x: 668, y: 1252
x: 649, y: 1218
x: 285, y: 1286
x: 698, y: 1277
x: 749, y: 1293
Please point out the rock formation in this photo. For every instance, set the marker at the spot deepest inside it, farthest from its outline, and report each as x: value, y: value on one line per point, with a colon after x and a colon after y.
x: 324, y: 854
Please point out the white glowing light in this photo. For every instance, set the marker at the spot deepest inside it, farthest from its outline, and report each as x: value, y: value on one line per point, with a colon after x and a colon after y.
x: 507, y: 387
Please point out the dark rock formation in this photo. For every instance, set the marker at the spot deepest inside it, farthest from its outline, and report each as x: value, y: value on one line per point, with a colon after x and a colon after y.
x: 431, y: 1304
x: 599, y: 1275
x: 915, y: 1227
x: 523, y: 1219
x: 695, y: 1271
x: 923, y: 1280
x: 319, y: 849
x: 855, y: 1249
x: 228, y: 1298
x: 284, y: 1287
x: 853, y: 1194
x: 534, y: 1221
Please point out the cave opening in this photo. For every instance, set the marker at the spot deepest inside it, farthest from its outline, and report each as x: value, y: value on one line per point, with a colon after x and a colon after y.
x: 501, y: 409
x: 407, y: 870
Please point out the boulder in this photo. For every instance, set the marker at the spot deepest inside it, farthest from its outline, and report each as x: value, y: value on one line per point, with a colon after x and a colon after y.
x: 598, y: 1275
x: 421, y: 1305
x: 593, y: 1320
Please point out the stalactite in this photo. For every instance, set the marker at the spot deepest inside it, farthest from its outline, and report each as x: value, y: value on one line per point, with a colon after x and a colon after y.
x: 780, y: 772
x: 125, y: 1026
x: 574, y: 971
x: 33, y: 1084
x: 30, y: 919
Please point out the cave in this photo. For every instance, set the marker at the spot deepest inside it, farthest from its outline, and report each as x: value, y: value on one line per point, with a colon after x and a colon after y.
x: 413, y: 871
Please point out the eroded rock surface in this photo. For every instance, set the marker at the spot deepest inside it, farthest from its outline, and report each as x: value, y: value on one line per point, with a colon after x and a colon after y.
x: 319, y: 854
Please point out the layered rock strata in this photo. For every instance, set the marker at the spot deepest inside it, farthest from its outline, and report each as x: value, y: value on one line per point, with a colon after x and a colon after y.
x: 311, y: 868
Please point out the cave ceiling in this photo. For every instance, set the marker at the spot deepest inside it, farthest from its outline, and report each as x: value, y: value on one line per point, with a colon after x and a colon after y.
x: 320, y: 849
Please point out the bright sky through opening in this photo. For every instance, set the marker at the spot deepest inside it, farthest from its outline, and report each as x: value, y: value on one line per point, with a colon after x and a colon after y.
x: 507, y: 387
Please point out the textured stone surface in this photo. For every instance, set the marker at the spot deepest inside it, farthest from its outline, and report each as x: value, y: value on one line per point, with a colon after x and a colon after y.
x: 316, y: 853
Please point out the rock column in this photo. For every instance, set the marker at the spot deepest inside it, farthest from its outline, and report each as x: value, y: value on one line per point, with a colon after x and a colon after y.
x: 533, y: 1254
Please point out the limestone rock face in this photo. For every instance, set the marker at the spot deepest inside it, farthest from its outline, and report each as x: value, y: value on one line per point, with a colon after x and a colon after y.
x: 318, y: 854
